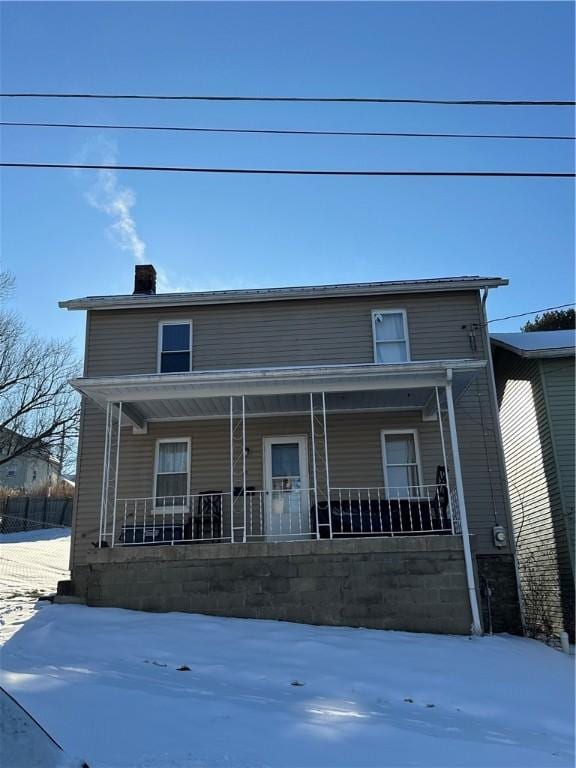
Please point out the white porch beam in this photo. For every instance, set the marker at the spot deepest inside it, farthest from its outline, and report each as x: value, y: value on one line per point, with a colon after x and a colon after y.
x: 135, y: 417
x: 202, y: 384
x: 476, y: 624
x: 430, y: 411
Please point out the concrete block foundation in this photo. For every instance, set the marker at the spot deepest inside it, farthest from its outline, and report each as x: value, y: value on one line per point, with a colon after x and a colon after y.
x: 415, y: 584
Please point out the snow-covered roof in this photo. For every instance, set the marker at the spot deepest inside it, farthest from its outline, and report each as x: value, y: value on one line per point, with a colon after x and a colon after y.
x: 537, y: 343
x: 131, y: 301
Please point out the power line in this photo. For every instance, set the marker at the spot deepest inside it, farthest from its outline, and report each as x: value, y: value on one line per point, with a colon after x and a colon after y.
x: 522, y: 314
x: 534, y: 312
x: 193, y: 129
x: 290, y: 172
x: 297, y: 99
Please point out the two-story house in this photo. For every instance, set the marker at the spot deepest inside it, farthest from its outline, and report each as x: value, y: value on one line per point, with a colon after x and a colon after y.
x: 325, y: 454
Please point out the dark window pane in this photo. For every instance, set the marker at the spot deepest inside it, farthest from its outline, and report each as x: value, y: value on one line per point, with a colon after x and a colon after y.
x: 171, y: 490
x: 175, y: 338
x: 285, y: 460
x: 174, y: 362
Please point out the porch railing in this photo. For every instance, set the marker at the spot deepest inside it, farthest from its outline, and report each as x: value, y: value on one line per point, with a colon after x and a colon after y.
x: 282, y: 515
x: 401, y: 511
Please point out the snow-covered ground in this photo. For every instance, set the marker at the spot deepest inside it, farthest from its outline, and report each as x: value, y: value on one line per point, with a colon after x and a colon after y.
x: 134, y: 690
x: 33, y: 561
x: 31, y: 564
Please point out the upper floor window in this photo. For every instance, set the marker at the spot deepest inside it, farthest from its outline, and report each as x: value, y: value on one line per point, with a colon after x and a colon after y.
x: 390, y: 332
x: 175, y: 346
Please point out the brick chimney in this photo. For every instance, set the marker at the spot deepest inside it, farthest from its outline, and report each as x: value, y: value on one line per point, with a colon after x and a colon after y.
x: 144, y: 279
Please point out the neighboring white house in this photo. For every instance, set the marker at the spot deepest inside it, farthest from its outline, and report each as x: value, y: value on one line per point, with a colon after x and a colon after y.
x: 29, y: 470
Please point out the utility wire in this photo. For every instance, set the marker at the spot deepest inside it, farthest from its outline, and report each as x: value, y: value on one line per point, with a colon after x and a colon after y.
x: 192, y: 129
x: 305, y: 99
x: 289, y: 172
x: 534, y: 312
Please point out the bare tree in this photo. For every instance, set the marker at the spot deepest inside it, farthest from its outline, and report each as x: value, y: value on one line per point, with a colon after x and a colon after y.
x: 39, y: 412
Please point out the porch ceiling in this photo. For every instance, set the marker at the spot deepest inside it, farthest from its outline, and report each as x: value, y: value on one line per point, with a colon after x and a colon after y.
x: 205, y: 394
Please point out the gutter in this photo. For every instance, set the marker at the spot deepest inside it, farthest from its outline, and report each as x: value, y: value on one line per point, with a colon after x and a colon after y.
x: 281, y: 294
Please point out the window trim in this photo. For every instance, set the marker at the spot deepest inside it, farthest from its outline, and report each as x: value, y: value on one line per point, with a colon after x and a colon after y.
x: 406, y: 338
x: 406, y: 431
x: 161, y: 324
x: 162, y: 510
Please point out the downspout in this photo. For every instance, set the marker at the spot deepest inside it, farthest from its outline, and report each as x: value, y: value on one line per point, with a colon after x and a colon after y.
x: 468, y: 561
x: 501, y: 457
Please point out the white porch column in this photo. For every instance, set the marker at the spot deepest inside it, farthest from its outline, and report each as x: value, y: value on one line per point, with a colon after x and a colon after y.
x: 320, y: 464
x: 237, y: 459
x: 476, y: 625
x: 314, y: 473
x: 445, y: 459
x: 116, y: 474
x: 105, y: 472
x: 110, y: 473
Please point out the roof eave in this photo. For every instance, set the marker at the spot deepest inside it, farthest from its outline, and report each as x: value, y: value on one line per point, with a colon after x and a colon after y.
x: 534, y: 353
x: 279, y: 294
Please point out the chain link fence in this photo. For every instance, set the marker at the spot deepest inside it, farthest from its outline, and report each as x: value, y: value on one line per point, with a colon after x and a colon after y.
x: 34, y: 555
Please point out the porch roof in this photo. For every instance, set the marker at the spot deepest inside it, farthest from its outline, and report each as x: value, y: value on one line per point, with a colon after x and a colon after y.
x: 204, y: 394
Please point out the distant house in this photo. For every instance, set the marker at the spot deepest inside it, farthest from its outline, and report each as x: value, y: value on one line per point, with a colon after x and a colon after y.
x: 535, y: 384
x: 34, y: 469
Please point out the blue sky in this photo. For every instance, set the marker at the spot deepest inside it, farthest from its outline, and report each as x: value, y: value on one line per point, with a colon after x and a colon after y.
x: 66, y: 235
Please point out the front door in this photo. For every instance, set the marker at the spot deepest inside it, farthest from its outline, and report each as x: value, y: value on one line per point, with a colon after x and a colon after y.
x: 287, y: 496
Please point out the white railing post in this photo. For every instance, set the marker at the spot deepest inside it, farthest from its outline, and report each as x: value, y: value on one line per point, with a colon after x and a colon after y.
x: 476, y: 625
x: 444, y: 459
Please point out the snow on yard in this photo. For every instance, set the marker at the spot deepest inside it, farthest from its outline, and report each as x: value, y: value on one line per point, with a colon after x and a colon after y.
x: 31, y: 564
x: 135, y: 690
x: 33, y: 561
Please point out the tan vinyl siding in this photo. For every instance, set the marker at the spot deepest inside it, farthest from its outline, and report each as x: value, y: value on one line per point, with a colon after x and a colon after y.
x: 481, y: 472
x: 355, y: 459
x: 353, y: 445
x: 534, y: 487
x: 559, y: 385
x: 319, y: 331
x: 328, y: 331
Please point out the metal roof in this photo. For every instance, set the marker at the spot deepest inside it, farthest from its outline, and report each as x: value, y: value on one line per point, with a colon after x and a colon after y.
x: 537, y: 343
x: 130, y: 301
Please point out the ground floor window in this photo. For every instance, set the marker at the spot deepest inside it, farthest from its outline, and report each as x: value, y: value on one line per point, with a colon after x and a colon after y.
x: 401, y: 462
x: 172, y: 475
